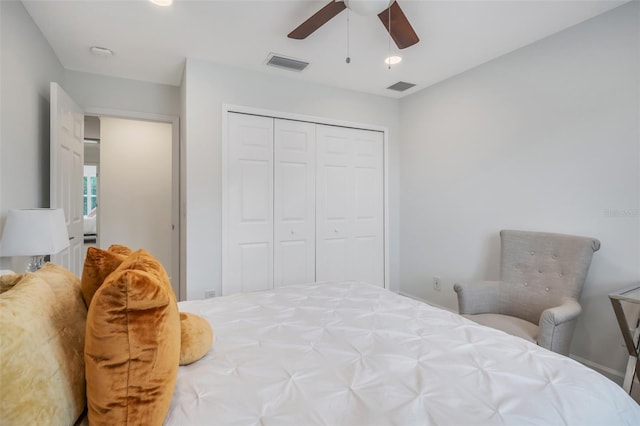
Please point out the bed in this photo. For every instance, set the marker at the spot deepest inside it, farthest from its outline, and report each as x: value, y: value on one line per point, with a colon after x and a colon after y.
x: 354, y: 354
x: 90, y: 226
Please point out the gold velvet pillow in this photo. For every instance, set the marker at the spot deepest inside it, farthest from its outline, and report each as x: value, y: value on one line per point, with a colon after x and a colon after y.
x: 196, y: 337
x: 98, y: 264
x: 132, y: 346
x: 42, y: 324
x: 120, y: 249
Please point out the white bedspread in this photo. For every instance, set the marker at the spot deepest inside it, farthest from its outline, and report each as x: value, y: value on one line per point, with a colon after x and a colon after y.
x: 355, y: 354
x: 90, y: 225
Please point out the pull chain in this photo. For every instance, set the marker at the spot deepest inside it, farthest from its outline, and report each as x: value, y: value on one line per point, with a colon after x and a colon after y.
x: 348, y: 60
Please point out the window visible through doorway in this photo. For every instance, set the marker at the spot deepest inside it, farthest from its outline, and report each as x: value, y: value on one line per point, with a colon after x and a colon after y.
x: 90, y: 191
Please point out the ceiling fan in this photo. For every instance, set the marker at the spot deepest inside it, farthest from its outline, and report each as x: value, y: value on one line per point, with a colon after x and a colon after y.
x: 389, y: 12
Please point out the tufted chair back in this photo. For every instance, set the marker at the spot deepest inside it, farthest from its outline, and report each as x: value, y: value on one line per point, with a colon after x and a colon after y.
x: 541, y: 269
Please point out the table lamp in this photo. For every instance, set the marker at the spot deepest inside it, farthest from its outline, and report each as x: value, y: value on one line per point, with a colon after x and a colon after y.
x: 35, y: 233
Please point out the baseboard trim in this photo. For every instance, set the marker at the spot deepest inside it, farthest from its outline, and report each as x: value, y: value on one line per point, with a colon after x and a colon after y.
x: 602, y: 369
x: 419, y: 299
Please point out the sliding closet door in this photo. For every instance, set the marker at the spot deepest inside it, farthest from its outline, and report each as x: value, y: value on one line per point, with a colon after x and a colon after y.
x: 349, y: 205
x: 303, y: 202
x: 294, y: 203
x: 248, y: 264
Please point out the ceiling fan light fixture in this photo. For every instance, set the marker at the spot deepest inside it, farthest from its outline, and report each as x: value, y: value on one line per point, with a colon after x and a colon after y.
x: 162, y: 2
x: 393, y: 60
x: 368, y: 7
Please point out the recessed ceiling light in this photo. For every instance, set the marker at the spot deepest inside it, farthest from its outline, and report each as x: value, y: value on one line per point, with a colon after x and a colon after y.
x: 392, y: 60
x: 101, y: 51
x: 162, y: 2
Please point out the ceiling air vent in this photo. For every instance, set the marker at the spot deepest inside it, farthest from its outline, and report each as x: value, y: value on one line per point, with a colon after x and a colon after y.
x: 287, y: 63
x: 401, y: 86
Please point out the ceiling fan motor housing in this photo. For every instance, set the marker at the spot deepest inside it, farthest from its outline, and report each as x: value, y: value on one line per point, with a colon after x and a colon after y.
x: 368, y: 7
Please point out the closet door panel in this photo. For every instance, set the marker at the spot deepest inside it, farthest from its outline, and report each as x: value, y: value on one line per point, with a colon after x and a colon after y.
x: 255, y: 265
x: 368, y: 223
x: 333, y: 204
x: 350, y: 205
x: 336, y: 260
x: 249, y: 255
x: 294, y: 202
x: 367, y: 260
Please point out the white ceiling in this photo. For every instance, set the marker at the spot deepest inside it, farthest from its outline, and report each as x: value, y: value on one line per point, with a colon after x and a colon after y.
x: 151, y: 43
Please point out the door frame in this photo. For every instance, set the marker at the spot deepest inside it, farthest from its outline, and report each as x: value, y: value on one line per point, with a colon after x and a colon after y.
x: 178, y: 259
x: 241, y: 109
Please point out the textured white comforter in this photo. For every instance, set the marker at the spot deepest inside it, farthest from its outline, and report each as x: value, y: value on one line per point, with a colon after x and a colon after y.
x: 355, y: 354
x: 90, y: 227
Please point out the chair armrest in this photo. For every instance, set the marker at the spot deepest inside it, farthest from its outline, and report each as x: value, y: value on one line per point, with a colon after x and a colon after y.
x: 557, y: 324
x: 569, y: 310
x: 478, y: 297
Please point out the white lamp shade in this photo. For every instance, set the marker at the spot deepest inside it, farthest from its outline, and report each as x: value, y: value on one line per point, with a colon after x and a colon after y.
x: 368, y: 7
x: 34, y: 232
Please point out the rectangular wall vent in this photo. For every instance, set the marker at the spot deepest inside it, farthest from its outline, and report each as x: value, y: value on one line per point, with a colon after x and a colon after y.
x: 286, y: 63
x: 401, y: 86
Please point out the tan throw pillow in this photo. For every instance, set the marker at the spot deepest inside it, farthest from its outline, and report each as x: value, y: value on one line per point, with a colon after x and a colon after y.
x: 8, y: 281
x: 42, y: 323
x: 132, y: 346
x: 196, y: 337
x: 98, y: 264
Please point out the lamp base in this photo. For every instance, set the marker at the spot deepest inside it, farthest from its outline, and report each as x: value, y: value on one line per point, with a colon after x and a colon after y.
x: 35, y: 264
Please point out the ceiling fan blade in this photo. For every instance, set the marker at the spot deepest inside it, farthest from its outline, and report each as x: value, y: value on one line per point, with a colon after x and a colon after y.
x: 320, y: 18
x: 401, y: 30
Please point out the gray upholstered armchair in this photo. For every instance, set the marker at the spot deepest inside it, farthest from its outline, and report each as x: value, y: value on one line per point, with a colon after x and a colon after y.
x: 541, y: 278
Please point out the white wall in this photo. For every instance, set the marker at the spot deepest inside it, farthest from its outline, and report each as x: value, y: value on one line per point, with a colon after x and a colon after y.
x: 28, y: 65
x: 545, y: 138
x: 92, y: 127
x: 111, y: 93
x: 91, y: 153
x: 135, y: 186
x: 183, y: 188
x: 206, y: 88
x: 92, y: 132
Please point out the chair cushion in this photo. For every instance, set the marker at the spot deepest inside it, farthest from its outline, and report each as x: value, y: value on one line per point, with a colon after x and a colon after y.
x: 511, y: 325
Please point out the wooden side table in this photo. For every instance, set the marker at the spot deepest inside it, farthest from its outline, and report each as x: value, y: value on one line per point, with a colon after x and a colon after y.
x: 629, y: 333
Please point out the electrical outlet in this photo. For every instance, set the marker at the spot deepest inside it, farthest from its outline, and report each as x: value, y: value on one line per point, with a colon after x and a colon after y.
x: 209, y: 293
x: 436, y: 283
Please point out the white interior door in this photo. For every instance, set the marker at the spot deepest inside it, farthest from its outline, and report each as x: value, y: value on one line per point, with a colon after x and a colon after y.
x: 294, y: 203
x: 349, y: 205
x: 66, y: 173
x: 248, y: 255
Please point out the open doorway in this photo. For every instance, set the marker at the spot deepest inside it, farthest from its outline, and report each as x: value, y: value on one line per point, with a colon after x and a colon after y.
x: 90, y: 185
x: 135, y: 193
